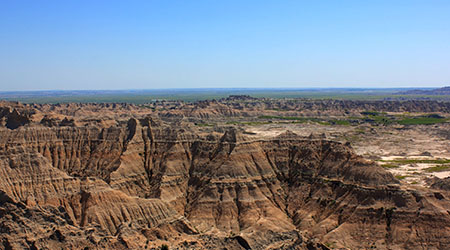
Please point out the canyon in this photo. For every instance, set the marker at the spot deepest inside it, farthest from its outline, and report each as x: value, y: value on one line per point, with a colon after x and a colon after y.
x: 234, y: 173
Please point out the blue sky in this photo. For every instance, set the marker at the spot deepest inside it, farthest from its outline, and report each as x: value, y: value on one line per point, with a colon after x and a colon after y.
x: 194, y: 44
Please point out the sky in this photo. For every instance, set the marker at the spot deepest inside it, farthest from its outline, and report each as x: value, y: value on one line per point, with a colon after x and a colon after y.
x: 75, y: 45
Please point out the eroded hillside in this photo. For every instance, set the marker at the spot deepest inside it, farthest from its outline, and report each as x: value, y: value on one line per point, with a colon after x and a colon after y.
x: 120, y: 176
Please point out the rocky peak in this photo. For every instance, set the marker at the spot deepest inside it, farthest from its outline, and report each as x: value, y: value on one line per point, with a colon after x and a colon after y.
x: 14, y: 119
x: 288, y: 135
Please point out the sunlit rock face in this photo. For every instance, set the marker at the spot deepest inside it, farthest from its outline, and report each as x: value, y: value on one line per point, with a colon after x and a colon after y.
x: 141, y: 182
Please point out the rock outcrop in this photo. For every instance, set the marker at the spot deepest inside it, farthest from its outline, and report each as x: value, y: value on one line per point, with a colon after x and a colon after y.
x: 13, y: 119
x: 443, y: 184
x: 142, y: 182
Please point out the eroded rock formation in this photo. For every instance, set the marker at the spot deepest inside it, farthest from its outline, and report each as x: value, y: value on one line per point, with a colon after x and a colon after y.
x: 143, y: 182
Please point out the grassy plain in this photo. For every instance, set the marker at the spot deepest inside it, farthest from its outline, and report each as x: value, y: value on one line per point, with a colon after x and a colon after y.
x: 190, y: 95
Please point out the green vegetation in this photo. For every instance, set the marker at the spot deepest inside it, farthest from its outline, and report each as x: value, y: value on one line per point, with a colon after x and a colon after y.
x: 415, y: 161
x: 401, y: 177
x: 372, y: 117
x: 405, y: 119
x: 191, y: 95
x: 378, y: 118
x: 389, y: 166
x: 204, y: 125
x: 421, y: 121
x: 341, y: 122
x: 296, y: 119
x: 440, y: 168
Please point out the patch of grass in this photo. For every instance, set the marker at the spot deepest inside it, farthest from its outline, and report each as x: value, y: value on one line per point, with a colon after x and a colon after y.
x: 373, y: 117
x: 437, y: 169
x: 401, y: 177
x: 389, y: 166
x: 414, y: 182
x: 204, y: 125
x: 296, y: 119
x: 406, y: 119
x: 412, y: 161
x: 341, y: 122
x: 255, y: 123
x: 426, y: 120
x: 380, y: 119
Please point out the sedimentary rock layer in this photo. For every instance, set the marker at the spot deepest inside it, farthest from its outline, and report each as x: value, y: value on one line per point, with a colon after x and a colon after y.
x: 142, y: 183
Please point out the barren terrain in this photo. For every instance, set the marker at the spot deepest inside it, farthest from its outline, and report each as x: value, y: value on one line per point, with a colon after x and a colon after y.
x: 234, y: 173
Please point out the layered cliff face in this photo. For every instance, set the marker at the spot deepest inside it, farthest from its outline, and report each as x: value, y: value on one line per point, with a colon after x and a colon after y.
x: 141, y: 183
x: 253, y: 107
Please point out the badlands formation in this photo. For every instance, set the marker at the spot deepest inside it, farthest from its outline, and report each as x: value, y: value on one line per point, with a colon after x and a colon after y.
x: 236, y: 173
